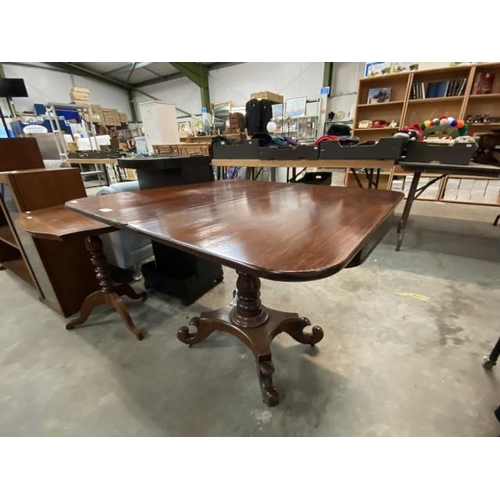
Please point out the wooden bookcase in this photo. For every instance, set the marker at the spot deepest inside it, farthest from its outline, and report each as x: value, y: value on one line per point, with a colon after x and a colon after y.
x: 51, y: 267
x: 405, y: 109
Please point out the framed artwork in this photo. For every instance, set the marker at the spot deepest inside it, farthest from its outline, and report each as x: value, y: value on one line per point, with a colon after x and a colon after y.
x: 379, y: 96
x: 277, y: 111
x: 296, y: 108
x: 401, y: 67
x: 378, y: 68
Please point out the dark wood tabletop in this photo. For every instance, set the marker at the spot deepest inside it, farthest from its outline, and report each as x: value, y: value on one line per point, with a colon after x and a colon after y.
x: 285, y: 232
x: 58, y: 223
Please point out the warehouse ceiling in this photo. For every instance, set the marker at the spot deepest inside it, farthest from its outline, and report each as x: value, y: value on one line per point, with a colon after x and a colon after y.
x: 139, y: 74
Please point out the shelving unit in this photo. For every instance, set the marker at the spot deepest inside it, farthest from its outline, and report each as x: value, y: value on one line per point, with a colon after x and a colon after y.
x: 406, y: 111
x: 94, y: 170
x: 11, y: 251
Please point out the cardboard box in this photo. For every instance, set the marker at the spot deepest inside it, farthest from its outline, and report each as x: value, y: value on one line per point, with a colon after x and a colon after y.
x: 79, y: 94
x: 111, y: 117
x: 267, y: 95
x: 123, y: 117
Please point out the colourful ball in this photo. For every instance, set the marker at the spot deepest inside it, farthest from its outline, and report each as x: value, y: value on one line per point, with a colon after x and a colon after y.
x: 454, y: 123
x: 422, y: 126
x: 436, y: 121
x: 441, y: 117
x: 460, y: 123
x: 443, y: 121
x: 427, y: 123
x: 450, y: 120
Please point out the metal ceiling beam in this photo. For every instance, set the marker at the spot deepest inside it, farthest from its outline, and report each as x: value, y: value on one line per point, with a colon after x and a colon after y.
x: 130, y: 73
x: 121, y: 69
x: 197, y: 73
x: 79, y: 70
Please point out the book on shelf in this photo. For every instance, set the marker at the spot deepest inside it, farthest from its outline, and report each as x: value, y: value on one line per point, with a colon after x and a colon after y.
x: 417, y: 90
x: 437, y: 89
x: 483, y: 83
x: 456, y: 87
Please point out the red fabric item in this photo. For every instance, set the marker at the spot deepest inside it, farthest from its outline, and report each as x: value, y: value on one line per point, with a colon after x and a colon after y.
x: 416, y: 127
x: 326, y: 138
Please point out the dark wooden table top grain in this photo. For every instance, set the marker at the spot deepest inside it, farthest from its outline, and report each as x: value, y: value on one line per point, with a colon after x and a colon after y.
x: 285, y: 232
x: 58, y: 223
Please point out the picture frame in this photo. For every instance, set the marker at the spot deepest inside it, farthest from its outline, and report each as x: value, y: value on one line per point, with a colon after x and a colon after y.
x: 403, y: 67
x: 379, y: 95
x: 296, y: 108
x: 378, y: 69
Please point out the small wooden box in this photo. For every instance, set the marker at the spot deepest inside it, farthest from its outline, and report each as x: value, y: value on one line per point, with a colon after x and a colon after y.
x: 184, y: 149
x: 267, y: 95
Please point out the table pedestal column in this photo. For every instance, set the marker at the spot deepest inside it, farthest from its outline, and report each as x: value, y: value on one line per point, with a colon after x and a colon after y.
x: 256, y: 326
x: 108, y: 292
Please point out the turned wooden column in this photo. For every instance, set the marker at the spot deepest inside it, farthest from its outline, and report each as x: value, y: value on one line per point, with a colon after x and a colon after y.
x: 101, y: 268
x: 248, y: 311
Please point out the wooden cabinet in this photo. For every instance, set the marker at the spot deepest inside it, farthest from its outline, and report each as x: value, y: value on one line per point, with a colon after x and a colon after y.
x: 160, y: 123
x: 420, y: 95
x: 60, y: 271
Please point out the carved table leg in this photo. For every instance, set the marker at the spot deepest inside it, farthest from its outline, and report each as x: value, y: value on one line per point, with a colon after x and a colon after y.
x: 256, y: 326
x: 108, y: 293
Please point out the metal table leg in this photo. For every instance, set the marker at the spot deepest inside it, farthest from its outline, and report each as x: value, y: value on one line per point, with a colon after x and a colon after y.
x: 407, y: 209
x: 490, y: 361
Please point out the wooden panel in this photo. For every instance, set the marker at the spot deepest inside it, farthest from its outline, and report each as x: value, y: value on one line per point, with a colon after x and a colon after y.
x: 7, y: 236
x: 20, y: 154
x: 46, y: 188
x: 18, y: 267
x: 8, y: 252
x: 67, y: 264
x: 58, y: 223
x: 70, y: 271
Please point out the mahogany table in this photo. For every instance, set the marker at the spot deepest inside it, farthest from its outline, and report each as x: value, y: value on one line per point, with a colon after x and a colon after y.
x: 57, y: 223
x: 474, y: 169
x: 277, y: 231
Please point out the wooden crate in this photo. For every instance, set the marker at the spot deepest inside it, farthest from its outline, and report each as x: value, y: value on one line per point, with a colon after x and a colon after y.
x: 184, y: 149
x: 267, y: 95
x: 123, y: 117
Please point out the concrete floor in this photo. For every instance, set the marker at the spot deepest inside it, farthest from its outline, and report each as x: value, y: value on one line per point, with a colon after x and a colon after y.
x: 404, y: 338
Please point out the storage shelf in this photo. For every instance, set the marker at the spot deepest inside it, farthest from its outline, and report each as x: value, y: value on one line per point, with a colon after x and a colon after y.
x: 436, y: 99
x: 7, y: 236
x: 485, y: 96
x: 380, y: 104
x: 468, y: 202
x: 483, y: 124
x: 19, y: 267
x: 375, y: 129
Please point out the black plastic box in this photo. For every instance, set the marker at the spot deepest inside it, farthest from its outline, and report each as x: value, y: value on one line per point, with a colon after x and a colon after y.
x: 316, y: 178
x: 431, y: 152
x: 387, y: 148
x: 293, y: 153
x: 162, y: 171
x: 248, y: 150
